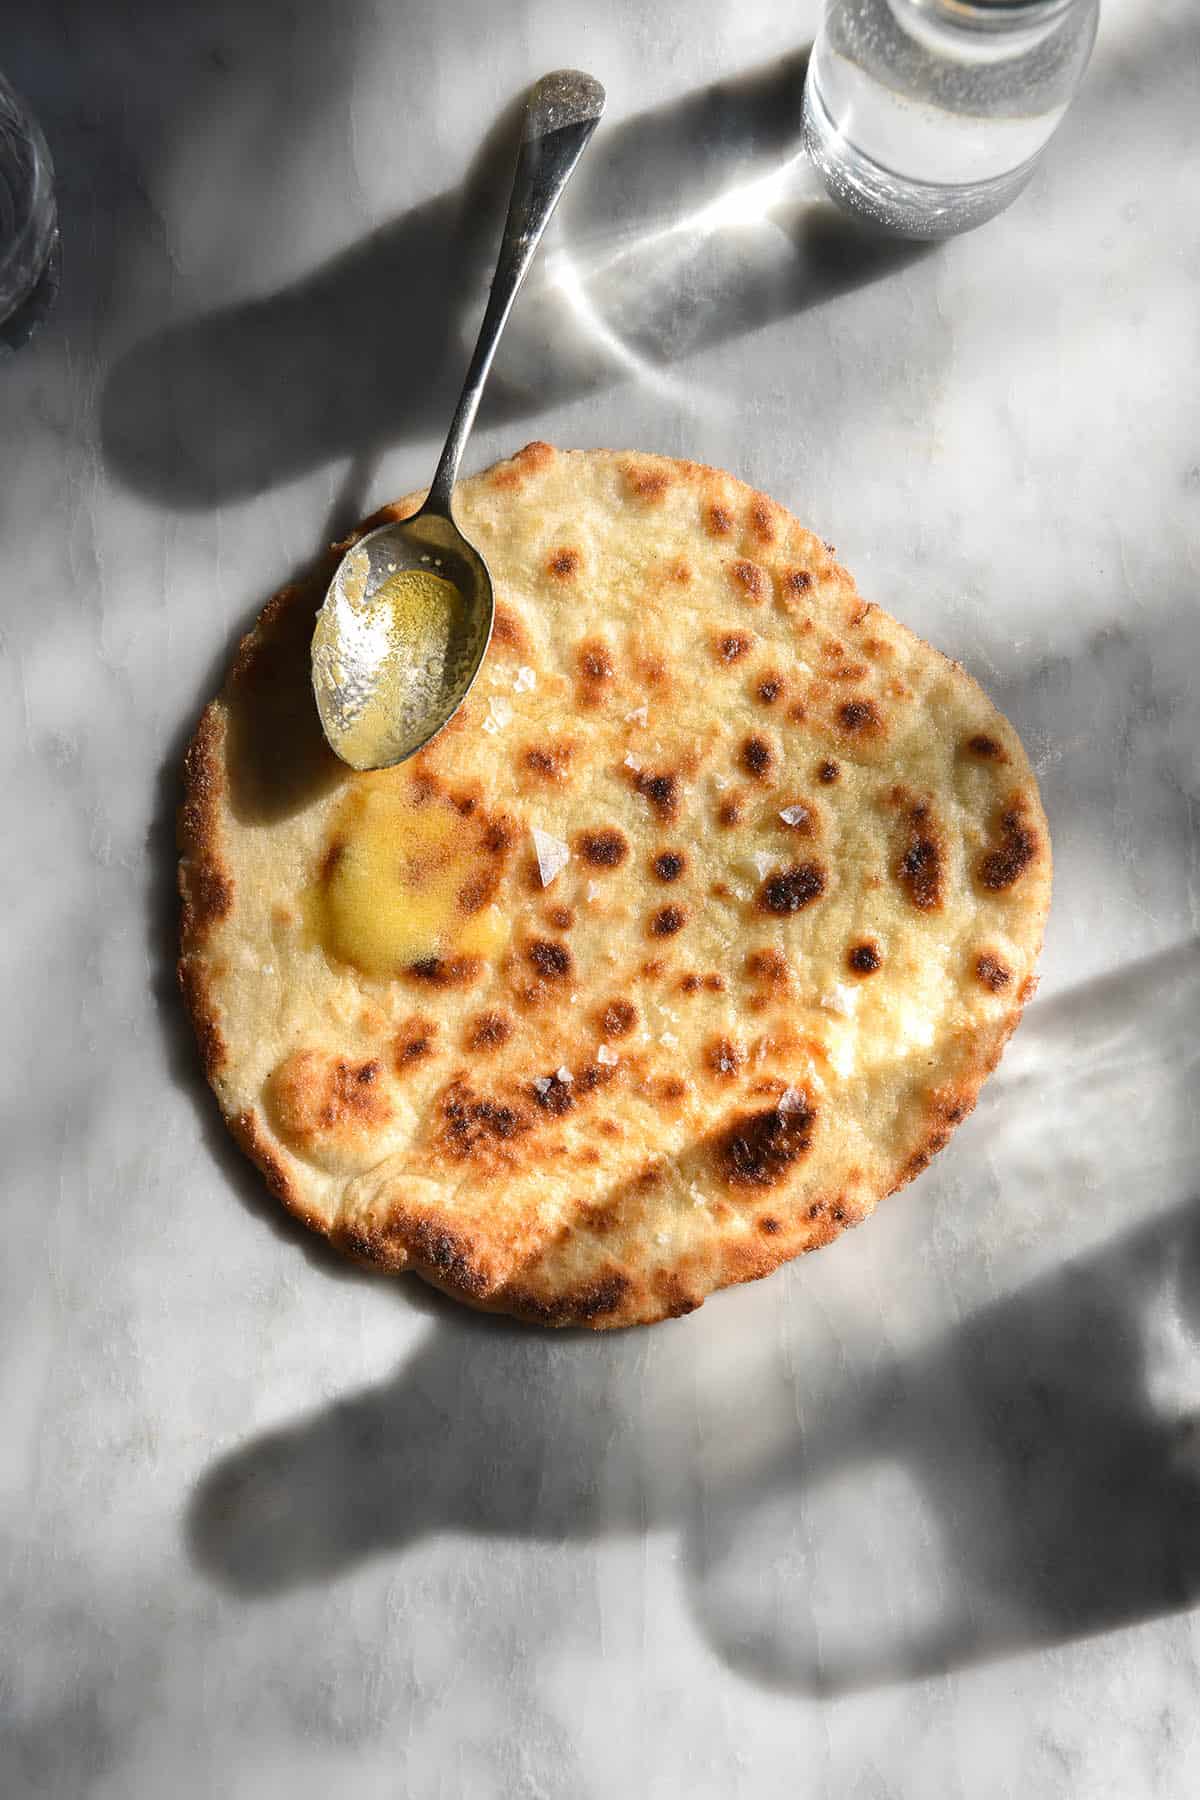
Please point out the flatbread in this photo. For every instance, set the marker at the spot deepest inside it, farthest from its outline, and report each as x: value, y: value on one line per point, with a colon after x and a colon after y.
x: 807, y: 879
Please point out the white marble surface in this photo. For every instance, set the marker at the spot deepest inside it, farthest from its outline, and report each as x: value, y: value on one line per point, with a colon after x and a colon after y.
x: 918, y: 1517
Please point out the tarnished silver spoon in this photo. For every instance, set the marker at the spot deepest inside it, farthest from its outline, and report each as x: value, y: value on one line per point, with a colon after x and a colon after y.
x: 408, y: 614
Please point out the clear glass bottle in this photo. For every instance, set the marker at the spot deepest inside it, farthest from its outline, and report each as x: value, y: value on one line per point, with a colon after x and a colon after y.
x: 929, y: 116
x: 28, y: 215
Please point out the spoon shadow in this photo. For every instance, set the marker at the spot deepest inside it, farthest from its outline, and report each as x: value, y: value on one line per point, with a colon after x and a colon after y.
x: 686, y: 226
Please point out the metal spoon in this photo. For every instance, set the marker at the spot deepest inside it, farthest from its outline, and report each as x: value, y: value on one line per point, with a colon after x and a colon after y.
x: 349, y: 658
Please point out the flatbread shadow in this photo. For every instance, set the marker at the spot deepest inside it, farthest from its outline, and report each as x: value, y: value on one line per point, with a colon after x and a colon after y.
x: 1061, y: 1487
x: 674, y: 228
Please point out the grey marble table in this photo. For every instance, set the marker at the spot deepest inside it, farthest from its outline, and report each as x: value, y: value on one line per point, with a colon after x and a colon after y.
x: 918, y: 1517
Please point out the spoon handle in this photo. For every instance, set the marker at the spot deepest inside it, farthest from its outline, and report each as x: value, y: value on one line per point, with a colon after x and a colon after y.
x: 561, y: 114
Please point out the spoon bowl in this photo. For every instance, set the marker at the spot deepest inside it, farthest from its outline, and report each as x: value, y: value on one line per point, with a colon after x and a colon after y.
x: 392, y: 663
x: 351, y: 649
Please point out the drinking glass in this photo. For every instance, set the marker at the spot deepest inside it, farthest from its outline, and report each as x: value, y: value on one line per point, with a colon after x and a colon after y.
x: 28, y: 216
x: 929, y: 116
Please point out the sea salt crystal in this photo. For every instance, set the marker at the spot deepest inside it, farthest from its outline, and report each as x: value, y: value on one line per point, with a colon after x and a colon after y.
x: 552, y: 855
x: 668, y: 1040
x: 638, y: 716
x: 791, y: 1100
x: 543, y: 1084
x: 606, y: 1056
x: 631, y: 761
x: 720, y: 782
x: 764, y: 862
x: 564, y: 1075
x: 500, y: 713
x: 524, y: 680
x: 840, y: 999
x: 794, y: 815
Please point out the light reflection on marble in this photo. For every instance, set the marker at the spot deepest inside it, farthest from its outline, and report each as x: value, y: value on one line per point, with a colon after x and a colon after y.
x: 919, y: 1516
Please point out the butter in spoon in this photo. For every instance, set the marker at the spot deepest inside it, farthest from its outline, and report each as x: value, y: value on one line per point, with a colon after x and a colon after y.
x: 408, y: 615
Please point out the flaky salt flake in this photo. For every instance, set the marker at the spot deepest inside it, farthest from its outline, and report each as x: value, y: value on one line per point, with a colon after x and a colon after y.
x: 668, y: 1040
x: 500, y: 712
x: 593, y: 891
x: 543, y: 1084
x: 525, y: 679
x: 764, y: 862
x: 490, y: 725
x: 840, y: 999
x: 794, y: 815
x: 564, y: 1075
x: 791, y: 1100
x: 720, y: 782
x: 631, y: 761
x: 552, y: 855
x: 606, y: 1056
x: 638, y: 716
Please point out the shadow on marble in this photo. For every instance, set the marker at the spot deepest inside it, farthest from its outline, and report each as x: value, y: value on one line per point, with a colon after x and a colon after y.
x: 686, y: 226
x: 121, y: 91
x: 1032, y: 1491
x: 1038, y: 1464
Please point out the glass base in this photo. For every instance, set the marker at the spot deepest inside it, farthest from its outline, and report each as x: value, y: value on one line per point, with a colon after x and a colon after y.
x: 21, y: 324
x: 911, y: 209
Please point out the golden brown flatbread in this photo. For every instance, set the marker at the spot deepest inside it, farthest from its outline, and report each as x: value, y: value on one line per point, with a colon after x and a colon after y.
x: 693, y: 935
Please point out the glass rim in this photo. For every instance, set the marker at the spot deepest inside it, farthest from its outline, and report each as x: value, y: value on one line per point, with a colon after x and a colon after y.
x: 993, y: 12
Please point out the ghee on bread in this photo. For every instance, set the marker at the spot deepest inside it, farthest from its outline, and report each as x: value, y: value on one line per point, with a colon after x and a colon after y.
x: 804, y: 876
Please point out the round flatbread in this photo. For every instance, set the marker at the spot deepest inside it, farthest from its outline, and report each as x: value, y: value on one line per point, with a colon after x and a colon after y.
x: 691, y: 937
